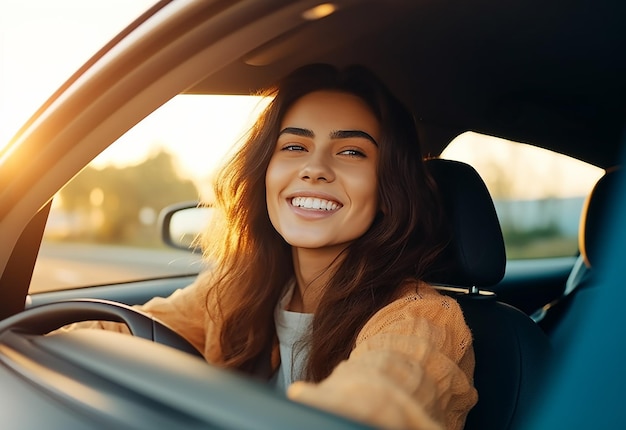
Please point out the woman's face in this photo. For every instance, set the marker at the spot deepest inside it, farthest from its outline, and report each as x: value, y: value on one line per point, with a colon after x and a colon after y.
x: 321, y: 181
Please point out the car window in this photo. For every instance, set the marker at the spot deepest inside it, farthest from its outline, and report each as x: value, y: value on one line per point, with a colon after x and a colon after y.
x: 103, y: 229
x: 538, y: 194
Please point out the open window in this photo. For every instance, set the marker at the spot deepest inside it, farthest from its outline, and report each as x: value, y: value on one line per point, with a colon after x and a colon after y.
x: 538, y: 193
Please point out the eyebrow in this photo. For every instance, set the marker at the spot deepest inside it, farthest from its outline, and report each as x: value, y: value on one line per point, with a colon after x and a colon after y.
x: 347, y: 134
x: 303, y: 132
x: 337, y: 134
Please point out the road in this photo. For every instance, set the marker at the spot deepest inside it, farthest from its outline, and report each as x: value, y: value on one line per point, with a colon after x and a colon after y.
x: 70, y: 265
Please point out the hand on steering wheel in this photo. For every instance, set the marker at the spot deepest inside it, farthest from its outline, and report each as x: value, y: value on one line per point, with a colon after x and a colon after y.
x: 46, y: 318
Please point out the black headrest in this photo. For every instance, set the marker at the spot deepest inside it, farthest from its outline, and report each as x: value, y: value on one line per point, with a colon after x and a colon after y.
x: 475, y: 256
x: 593, y: 216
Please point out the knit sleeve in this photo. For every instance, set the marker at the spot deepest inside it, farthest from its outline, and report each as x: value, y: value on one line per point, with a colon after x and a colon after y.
x: 411, y: 368
x: 184, y: 311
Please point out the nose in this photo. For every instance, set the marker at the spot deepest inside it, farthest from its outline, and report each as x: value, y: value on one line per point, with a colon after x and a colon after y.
x: 316, y: 169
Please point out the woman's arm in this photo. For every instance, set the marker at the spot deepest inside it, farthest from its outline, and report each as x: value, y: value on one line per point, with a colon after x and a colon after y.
x: 184, y: 311
x: 412, y: 367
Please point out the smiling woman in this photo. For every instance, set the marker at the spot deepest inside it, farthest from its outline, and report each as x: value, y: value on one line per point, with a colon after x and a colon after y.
x: 315, y: 200
x: 326, y: 139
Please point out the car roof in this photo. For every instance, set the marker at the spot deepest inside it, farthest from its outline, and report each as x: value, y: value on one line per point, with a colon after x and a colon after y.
x: 550, y: 74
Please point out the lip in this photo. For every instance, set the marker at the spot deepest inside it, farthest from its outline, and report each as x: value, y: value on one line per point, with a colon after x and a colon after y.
x: 313, y: 194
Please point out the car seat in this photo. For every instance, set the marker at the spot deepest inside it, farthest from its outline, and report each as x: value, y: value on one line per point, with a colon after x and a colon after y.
x: 590, y: 242
x: 510, y: 349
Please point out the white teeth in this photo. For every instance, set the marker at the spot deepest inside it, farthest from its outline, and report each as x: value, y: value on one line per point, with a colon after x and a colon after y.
x: 314, y: 203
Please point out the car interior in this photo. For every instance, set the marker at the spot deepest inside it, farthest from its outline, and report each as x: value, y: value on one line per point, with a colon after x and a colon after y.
x: 510, y: 355
x: 547, y: 75
x: 595, y: 212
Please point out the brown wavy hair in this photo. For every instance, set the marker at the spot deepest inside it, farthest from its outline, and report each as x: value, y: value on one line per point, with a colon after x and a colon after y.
x: 253, y: 264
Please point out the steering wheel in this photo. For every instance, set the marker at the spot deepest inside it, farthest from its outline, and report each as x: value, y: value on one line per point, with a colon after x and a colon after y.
x: 46, y: 318
x: 135, y: 383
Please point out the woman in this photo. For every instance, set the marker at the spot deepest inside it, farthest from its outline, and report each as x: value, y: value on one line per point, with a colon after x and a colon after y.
x: 329, y: 223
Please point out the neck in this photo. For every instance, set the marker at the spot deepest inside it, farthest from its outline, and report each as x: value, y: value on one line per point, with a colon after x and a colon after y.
x: 313, y: 269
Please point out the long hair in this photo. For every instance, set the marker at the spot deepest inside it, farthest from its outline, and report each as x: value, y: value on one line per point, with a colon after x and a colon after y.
x: 253, y: 263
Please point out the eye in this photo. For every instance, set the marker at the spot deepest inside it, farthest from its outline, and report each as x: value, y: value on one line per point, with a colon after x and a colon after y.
x: 293, y: 147
x: 353, y: 153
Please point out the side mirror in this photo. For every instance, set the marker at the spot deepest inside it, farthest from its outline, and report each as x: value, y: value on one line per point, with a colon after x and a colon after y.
x: 182, y: 223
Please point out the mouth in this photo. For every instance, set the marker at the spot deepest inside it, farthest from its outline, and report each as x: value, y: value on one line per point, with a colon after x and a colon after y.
x: 314, y: 203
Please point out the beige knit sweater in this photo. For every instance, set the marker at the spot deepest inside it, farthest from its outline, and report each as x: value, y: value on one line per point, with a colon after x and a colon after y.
x: 411, y: 368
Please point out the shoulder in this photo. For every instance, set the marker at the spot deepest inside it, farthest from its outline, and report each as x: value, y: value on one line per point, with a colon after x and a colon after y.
x: 414, y: 291
x: 420, y: 311
x: 417, y: 299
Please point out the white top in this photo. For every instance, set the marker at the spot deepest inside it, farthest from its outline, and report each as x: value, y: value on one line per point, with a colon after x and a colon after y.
x: 291, y: 327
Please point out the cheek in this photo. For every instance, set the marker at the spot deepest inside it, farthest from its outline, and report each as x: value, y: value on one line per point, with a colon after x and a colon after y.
x: 366, y: 191
x: 270, y: 185
x: 269, y: 178
x: 274, y: 178
x: 274, y: 183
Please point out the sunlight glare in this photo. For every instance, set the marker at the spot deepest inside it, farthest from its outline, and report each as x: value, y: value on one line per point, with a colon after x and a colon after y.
x: 42, y: 43
x: 198, y: 130
x: 319, y: 11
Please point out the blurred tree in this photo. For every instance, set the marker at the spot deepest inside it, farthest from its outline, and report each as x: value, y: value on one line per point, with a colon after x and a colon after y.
x: 120, y: 204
